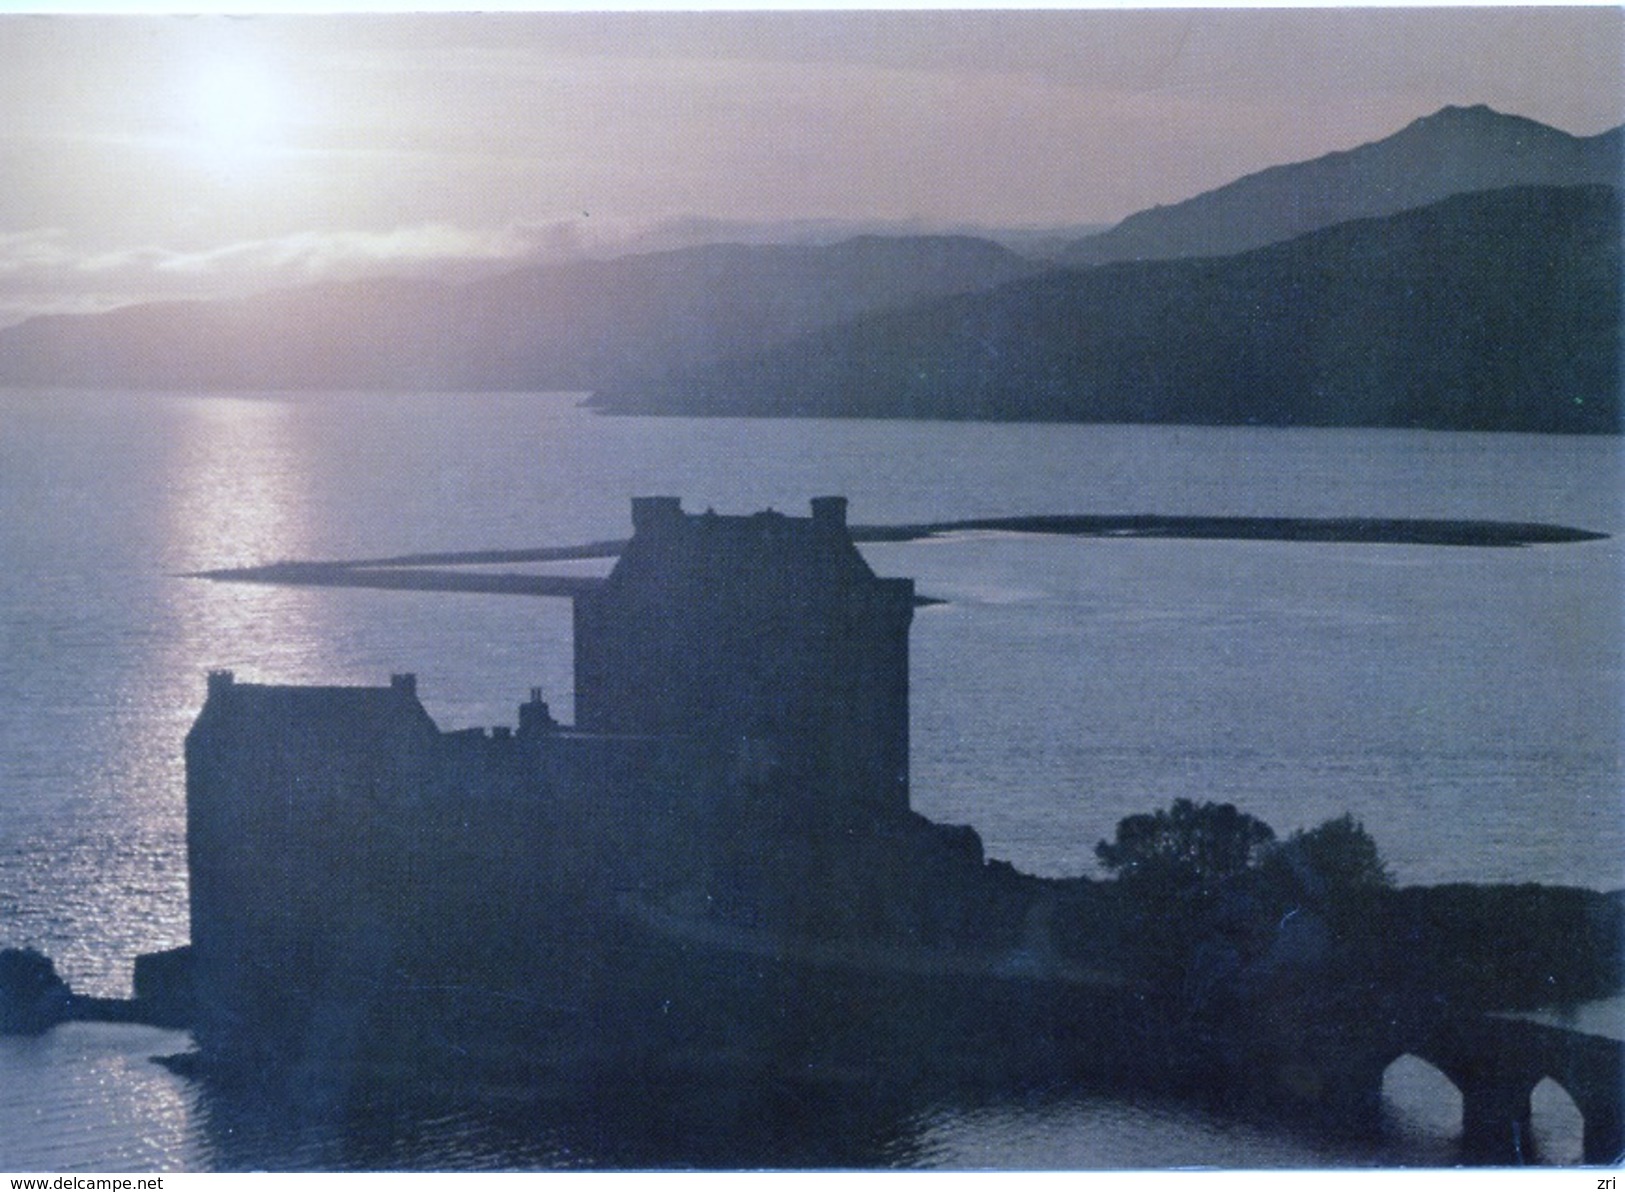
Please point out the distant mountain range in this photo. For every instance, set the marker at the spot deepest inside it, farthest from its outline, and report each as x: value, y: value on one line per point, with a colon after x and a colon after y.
x: 1498, y: 310
x: 572, y: 326
x: 1037, y: 241
x: 1454, y: 151
x: 1352, y: 289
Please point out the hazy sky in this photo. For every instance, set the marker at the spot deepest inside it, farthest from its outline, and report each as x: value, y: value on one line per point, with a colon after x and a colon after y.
x: 145, y: 155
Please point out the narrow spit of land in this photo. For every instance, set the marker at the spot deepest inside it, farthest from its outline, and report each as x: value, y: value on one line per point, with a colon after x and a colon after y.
x: 1400, y: 531
x: 433, y: 572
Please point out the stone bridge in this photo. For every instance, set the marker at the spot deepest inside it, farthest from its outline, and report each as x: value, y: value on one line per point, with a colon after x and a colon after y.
x: 1495, y: 1062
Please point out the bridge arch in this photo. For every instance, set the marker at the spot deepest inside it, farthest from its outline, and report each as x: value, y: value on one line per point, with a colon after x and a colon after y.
x: 1421, y: 1098
x: 1557, y: 1126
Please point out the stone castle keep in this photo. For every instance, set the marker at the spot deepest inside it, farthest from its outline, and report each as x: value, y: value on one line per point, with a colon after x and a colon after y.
x: 739, y: 764
x: 766, y: 630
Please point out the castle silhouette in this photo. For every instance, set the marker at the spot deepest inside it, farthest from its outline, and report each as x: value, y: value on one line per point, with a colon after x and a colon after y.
x: 718, y: 867
x: 729, y: 814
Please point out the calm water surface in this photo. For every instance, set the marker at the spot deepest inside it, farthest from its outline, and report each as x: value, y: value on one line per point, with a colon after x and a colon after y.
x: 1464, y: 703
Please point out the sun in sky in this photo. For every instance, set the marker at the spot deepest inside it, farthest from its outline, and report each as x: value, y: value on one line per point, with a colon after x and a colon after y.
x: 238, y: 110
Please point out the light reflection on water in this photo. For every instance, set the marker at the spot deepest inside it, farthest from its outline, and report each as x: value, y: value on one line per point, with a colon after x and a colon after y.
x: 238, y: 491
x: 87, y: 1097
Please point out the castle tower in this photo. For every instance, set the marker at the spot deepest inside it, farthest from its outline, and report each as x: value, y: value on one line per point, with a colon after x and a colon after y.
x: 292, y: 794
x: 767, y: 632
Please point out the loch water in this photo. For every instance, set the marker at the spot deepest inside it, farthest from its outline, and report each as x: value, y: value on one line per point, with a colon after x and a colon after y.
x: 1463, y: 702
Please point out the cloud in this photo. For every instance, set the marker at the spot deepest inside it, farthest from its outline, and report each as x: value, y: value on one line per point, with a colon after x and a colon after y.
x: 314, y: 256
x: 44, y: 271
x: 22, y: 253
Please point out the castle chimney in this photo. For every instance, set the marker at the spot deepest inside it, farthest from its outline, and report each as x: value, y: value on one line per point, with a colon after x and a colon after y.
x: 830, y: 512
x: 406, y: 684
x: 653, y: 513
x: 220, y: 681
